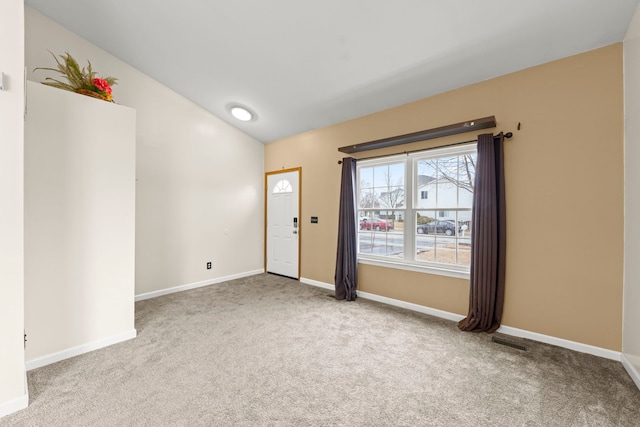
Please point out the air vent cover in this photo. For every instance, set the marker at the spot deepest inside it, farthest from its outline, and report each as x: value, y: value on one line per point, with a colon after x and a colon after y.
x: 509, y: 344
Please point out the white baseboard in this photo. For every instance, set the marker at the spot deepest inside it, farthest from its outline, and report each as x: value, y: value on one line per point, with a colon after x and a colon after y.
x: 195, y: 285
x: 507, y: 330
x: 560, y: 342
x: 17, y: 404
x: 26, y: 384
x: 410, y: 306
x: 633, y: 373
x: 78, y: 350
x: 14, y: 405
x: 318, y: 284
x: 390, y: 301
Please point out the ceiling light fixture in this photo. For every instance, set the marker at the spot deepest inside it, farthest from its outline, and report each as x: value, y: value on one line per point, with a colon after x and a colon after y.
x: 241, y: 113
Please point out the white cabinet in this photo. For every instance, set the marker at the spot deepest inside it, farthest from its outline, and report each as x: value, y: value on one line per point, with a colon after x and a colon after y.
x: 79, y: 224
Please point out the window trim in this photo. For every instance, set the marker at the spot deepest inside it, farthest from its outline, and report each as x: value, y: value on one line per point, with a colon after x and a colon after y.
x: 412, y: 199
x: 412, y: 266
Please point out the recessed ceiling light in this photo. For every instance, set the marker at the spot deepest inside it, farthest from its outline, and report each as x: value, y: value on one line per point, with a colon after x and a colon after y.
x: 241, y: 113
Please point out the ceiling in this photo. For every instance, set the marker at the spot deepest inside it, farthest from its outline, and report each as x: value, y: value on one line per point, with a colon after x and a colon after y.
x: 301, y: 65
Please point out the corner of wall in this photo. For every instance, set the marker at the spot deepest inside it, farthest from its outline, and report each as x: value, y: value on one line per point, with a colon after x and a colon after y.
x: 17, y: 404
x: 631, y: 370
x: 13, y: 388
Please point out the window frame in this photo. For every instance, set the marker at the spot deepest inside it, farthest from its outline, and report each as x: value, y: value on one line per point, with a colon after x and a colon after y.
x: 409, y: 210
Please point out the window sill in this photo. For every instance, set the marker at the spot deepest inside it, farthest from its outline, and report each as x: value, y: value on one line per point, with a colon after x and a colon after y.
x: 420, y: 268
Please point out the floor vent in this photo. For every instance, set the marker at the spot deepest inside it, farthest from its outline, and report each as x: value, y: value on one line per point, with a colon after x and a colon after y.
x: 509, y: 344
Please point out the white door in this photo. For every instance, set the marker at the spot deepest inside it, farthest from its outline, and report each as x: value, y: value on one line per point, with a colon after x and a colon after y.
x: 283, y: 222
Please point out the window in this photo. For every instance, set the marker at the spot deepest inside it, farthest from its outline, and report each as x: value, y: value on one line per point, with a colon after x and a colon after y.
x: 282, y: 186
x: 381, y: 194
x: 414, y: 211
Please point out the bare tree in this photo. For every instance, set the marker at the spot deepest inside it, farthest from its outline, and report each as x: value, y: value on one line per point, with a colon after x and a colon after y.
x: 458, y: 170
x: 394, y: 196
x: 368, y: 198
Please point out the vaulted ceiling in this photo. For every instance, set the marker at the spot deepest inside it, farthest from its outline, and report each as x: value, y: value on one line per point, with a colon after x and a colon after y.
x: 301, y: 64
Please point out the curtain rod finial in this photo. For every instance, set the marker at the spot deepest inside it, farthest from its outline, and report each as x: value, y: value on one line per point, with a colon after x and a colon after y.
x: 339, y: 162
x: 508, y: 135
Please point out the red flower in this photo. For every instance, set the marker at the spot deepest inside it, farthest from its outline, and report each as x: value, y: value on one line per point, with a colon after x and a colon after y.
x: 102, y: 85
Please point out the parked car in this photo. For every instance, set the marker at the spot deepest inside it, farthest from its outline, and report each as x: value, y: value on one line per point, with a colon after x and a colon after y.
x: 376, y: 224
x: 444, y: 227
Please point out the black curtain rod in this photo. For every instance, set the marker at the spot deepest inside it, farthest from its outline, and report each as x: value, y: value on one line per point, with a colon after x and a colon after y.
x: 506, y: 135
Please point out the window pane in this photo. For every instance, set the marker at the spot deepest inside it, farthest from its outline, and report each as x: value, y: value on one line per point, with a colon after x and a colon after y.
x: 393, y: 197
x: 443, y: 236
x: 466, y: 179
x: 447, y: 195
x: 447, y: 169
x: 425, y: 238
x: 396, y: 174
x: 464, y: 252
x: 425, y: 184
x: 446, y: 250
x: 464, y: 222
x: 427, y: 168
x: 425, y: 247
x: 282, y: 186
x: 446, y: 221
x: 366, y: 178
x: 380, y: 176
x: 381, y: 233
x: 368, y: 199
x: 424, y: 221
x: 381, y: 186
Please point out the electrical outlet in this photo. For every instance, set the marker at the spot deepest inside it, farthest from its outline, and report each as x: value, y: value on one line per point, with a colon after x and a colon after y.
x: 209, y: 265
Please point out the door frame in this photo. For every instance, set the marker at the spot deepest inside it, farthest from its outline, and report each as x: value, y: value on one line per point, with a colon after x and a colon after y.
x: 266, y: 201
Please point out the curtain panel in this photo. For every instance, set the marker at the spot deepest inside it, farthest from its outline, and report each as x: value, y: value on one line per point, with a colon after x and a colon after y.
x: 488, y: 240
x: 346, y: 277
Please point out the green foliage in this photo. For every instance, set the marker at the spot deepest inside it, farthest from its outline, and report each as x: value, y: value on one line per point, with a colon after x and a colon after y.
x: 424, y: 219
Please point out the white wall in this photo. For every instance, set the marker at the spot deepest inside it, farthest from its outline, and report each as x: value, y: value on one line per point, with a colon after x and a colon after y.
x: 79, y: 222
x: 199, y: 194
x: 631, y: 313
x: 12, y: 385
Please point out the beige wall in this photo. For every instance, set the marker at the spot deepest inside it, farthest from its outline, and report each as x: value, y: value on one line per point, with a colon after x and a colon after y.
x: 199, y: 191
x: 631, y: 328
x: 564, y: 172
x: 12, y: 386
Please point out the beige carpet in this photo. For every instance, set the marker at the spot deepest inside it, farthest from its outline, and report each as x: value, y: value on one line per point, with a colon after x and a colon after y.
x: 268, y: 351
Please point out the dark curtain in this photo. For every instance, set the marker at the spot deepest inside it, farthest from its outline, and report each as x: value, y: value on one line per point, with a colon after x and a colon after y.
x: 346, y: 277
x: 488, y: 239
